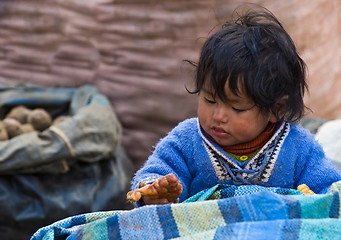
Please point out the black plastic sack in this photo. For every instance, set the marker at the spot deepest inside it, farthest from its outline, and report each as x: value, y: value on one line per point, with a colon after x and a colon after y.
x: 76, y: 166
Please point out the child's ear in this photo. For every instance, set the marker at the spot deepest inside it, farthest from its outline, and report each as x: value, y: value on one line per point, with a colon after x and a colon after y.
x: 280, y: 109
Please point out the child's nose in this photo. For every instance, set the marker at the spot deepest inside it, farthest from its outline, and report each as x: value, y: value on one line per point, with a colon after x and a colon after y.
x: 220, y: 115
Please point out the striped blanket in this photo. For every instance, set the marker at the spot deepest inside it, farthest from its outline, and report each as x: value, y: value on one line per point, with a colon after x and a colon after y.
x: 229, y: 212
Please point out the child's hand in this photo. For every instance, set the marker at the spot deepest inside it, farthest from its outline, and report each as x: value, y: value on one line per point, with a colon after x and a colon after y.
x: 164, y: 190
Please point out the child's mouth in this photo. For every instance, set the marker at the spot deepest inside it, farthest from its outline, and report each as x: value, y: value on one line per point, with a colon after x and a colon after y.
x: 219, y: 132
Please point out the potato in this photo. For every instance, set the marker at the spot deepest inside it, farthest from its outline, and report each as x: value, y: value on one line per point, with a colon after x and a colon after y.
x: 40, y: 119
x: 26, y: 128
x: 19, y: 113
x: 13, y: 127
x: 3, y: 132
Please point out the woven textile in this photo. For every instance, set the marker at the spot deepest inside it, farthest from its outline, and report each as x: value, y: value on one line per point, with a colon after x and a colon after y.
x: 240, y: 212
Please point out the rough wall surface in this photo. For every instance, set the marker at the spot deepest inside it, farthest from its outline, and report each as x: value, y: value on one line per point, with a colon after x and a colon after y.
x: 132, y: 50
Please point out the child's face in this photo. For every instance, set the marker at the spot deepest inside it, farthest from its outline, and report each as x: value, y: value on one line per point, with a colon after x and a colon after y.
x: 234, y: 121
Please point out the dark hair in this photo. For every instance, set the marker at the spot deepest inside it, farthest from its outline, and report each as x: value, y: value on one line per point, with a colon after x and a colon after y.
x: 256, y: 50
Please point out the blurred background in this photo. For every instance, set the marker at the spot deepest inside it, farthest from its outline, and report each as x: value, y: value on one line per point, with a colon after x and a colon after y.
x: 133, y: 52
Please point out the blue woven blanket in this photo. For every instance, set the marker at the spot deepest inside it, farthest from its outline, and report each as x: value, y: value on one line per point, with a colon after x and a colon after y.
x: 229, y: 212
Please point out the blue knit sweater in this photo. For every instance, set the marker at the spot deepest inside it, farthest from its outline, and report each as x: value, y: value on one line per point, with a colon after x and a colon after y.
x: 290, y: 158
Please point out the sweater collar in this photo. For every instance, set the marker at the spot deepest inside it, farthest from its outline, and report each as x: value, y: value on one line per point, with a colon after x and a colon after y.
x: 258, y: 168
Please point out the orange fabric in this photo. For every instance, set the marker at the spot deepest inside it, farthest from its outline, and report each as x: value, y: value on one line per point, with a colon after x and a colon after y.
x: 250, y: 147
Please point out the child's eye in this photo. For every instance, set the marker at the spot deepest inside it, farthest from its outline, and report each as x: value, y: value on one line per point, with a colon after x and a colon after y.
x: 210, y: 101
x: 238, y: 110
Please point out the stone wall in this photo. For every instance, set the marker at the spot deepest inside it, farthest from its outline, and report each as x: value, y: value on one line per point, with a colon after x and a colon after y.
x: 133, y: 51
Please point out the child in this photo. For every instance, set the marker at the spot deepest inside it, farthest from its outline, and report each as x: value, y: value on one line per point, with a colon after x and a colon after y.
x: 250, y: 83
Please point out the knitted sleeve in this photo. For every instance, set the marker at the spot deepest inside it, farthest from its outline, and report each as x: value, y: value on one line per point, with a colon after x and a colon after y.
x: 314, y: 169
x: 170, y: 156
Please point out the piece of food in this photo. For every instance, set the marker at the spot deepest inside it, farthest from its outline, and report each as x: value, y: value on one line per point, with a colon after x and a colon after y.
x: 305, y: 189
x: 19, y: 113
x: 167, y: 187
x: 13, y: 127
x: 60, y: 119
x: 3, y: 132
x: 40, y: 119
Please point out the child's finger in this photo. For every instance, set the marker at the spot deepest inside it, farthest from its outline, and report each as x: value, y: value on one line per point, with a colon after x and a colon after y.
x: 171, y: 179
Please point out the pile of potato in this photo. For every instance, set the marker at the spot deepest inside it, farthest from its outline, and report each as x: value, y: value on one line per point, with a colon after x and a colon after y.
x: 21, y: 120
